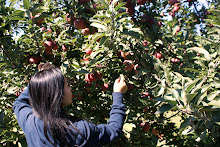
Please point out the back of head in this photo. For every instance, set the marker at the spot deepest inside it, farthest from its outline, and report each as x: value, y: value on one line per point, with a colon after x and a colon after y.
x: 46, y: 89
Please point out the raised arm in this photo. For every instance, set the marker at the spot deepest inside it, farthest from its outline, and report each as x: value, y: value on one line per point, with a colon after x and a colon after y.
x: 102, y: 134
x: 22, y: 107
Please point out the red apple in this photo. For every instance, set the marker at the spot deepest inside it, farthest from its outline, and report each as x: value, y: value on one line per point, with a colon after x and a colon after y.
x: 32, y: 60
x: 158, y: 55
x: 155, y: 132
x: 87, y: 77
x: 130, y: 10
x: 177, y: 29
x: 39, y: 59
x: 129, y: 3
x: 159, y: 23
x: 39, y: 22
x: 92, y: 77
x: 141, y: 2
x: 104, y: 87
x: 85, y: 31
x: 172, y: 2
x: 145, y: 110
x: 80, y: 98
x: 48, y: 45
x: 49, y: 31
x: 69, y: 17
x: 55, y: 45
x: 145, y: 43
x: 146, y: 127
x: 88, y: 51
x: 85, y: 58
x: 49, y: 51
x: 79, y: 23
x: 17, y: 93
x: 42, y: 29
x: 145, y: 18
x: 176, y: 8
x: 129, y: 65
x: 98, y: 75
x: 172, y: 14
x: 145, y: 94
x: 65, y: 48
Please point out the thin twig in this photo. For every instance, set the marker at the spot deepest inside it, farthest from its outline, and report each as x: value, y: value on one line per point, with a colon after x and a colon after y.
x: 165, y: 118
x: 11, y: 60
x: 216, y: 64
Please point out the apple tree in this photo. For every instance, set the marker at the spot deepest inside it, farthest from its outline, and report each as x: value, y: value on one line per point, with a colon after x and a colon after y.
x: 172, y: 72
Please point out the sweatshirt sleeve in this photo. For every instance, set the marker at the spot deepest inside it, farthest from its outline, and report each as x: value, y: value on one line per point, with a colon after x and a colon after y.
x: 105, y: 133
x: 22, y: 108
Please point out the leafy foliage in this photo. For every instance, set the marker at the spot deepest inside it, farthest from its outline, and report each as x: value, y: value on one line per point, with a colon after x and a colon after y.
x: 172, y: 72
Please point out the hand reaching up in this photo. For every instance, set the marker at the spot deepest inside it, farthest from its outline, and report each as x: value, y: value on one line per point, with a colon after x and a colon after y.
x: 120, y: 85
x: 45, y: 66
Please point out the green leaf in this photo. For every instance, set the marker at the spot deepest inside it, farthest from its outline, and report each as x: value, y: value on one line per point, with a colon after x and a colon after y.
x: 99, y: 26
x: 214, y: 103
x: 103, y: 2
x: 212, y: 95
x: 119, y: 6
x: 184, y: 124
x: 120, y: 14
x: 189, y: 87
x: 82, y: 71
x: 34, y: 8
x: 17, y: 15
x: 42, y: 16
x: 163, y: 109
x: 201, y: 51
x: 26, y: 4
x: 218, y: 123
x: 190, y: 96
x: 199, y: 97
x: 170, y: 99
x: 103, y: 39
x: 210, y: 109
x: 131, y: 33
x: 191, y: 69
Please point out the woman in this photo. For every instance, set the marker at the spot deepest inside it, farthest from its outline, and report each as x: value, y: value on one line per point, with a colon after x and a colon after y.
x: 39, y: 113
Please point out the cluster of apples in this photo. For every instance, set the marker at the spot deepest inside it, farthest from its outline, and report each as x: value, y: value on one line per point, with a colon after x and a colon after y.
x: 80, y: 24
x: 129, y: 64
x: 131, y: 5
x: 36, y: 19
x: 49, y: 45
x: 146, y: 126
x: 175, y: 6
x: 93, y: 77
x: 36, y: 59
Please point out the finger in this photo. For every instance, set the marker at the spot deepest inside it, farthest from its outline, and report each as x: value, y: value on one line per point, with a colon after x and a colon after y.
x: 51, y: 66
x: 122, y: 79
x: 117, y: 81
x: 40, y: 66
x: 45, y: 66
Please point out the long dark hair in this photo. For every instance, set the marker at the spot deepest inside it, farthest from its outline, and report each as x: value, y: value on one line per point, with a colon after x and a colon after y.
x: 46, y: 89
